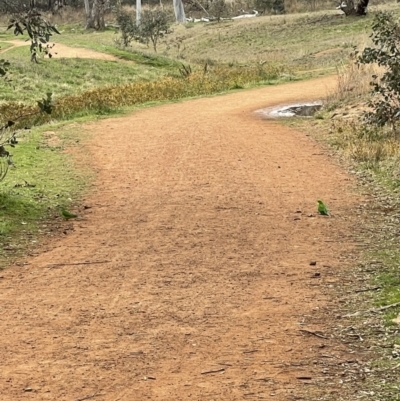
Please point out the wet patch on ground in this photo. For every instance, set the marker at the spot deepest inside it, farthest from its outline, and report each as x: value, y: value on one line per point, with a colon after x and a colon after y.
x: 291, y: 110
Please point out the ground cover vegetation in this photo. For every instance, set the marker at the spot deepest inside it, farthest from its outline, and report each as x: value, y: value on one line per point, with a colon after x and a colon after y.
x: 23, y: 204
x: 283, y: 41
x: 204, y: 59
x: 360, y: 122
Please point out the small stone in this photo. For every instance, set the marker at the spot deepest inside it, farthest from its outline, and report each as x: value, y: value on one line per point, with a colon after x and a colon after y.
x: 28, y: 389
x: 313, y: 263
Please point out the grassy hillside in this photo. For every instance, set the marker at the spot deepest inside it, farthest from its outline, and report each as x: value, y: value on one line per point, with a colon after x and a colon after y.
x: 302, y: 41
x: 303, y: 44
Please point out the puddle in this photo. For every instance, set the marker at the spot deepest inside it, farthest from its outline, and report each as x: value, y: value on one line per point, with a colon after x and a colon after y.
x: 291, y: 110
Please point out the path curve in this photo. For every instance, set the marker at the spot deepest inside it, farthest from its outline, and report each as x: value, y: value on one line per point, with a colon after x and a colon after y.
x: 194, y: 280
x: 64, y: 51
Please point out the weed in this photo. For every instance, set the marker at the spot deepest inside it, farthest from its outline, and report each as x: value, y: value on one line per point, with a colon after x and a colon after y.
x: 385, y: 103
x: 353, y: 81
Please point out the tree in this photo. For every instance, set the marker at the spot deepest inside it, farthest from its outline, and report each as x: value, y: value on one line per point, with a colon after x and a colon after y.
x: 179, y: 11
x: 96, y: 11
x: 4, y: 66
x: 350, y: 8
x: 218, y: 9
x: 38, y: 29
x: 95, y: 14
x: 17, y: 6
x: 272, y: 6
x: 153, y: 25
x: 385, y: 102
x: 8, y: 133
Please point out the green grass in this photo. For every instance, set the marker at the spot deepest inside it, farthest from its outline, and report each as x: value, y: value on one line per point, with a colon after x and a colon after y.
x: 44, y: 178
x: 316, y: 42
x: 295, y: 40
x: 110, y: 99
x: 66, y: 76
x: 7, y: 35
x: 4, y: 46
x: 105, y: 42
x: 388, y: 279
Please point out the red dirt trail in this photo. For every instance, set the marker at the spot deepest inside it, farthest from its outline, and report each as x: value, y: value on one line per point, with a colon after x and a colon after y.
x: 189, y: 277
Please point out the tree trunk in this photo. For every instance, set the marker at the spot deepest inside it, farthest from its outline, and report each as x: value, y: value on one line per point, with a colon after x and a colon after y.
x: 362, y: 7
x: 89, y: 22
x: 179, y: 11
x: 91, y: 14
x: 138, y: 11
x: 95, y: 15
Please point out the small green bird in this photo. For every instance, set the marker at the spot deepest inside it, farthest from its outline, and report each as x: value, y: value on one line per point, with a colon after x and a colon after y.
x: 67, y: 215
x: 322, y: 209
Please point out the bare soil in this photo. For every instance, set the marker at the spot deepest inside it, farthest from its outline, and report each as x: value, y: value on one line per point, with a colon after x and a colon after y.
x: 188, y: 275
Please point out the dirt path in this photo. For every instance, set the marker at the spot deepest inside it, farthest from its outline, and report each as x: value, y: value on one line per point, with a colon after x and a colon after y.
x: 197, y: 280
x: 64, y: 51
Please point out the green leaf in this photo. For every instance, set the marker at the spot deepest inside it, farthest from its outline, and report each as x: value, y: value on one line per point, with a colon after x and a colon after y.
x: 54, y: 29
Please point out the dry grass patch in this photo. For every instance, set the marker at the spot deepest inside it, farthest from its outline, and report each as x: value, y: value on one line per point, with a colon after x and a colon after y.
x: 353, y: 82
x: 104, y: 100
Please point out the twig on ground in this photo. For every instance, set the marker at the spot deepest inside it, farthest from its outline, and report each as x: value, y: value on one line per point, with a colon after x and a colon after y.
x: 384, y: 307
x: 54, y: 265
x: 87, y: 397
x: 373, y: 310
x: 206, y: 372
x: 312, y: 333
x: 368, y: 289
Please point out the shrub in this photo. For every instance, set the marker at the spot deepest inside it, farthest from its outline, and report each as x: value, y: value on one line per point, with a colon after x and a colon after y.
x: 385, y: 102
x: 39, y: 31
x: 271, y: 6
x: 153, y: 25
x: 219, y: 9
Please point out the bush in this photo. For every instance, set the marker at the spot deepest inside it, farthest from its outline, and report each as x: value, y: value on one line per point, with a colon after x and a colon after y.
x: 385, y: 102
x: 126, y: 26
x: 219, y: 9
x: 39, y: 31
x: 271, y: 6
x: 154, y: 24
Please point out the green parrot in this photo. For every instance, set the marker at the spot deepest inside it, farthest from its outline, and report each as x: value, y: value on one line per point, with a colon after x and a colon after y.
x: 67, y: 215
x: 322, y: 209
